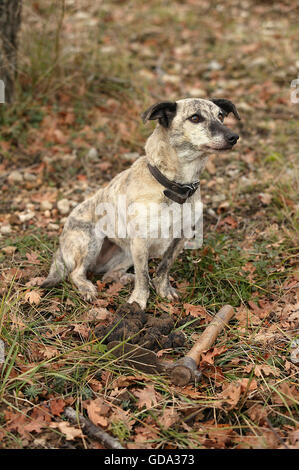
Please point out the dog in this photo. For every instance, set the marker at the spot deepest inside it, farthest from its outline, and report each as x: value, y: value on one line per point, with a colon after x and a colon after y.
x: 187, y: 131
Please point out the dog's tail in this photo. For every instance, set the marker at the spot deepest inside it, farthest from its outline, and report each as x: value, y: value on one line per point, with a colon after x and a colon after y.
x: 57, y: 272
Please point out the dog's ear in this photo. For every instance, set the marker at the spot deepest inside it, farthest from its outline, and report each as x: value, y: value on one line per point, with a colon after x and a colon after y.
x: 164, y: 111
x: 227, y: 106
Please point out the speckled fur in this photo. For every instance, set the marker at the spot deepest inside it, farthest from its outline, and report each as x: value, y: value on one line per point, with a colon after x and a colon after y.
x: 180, y: 152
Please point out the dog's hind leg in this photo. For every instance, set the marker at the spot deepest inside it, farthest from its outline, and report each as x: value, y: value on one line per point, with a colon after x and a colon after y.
x: 78, y: 252
x: 85, y: 287
x: 161, y: 280
x: 58, y: 271
x: 82, y: 258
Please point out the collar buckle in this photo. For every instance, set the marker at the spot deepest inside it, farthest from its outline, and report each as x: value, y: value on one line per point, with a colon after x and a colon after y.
x: 178, y: 192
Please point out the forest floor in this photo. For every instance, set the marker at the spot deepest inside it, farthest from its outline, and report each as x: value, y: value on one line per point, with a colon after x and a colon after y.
x: 86, y: 73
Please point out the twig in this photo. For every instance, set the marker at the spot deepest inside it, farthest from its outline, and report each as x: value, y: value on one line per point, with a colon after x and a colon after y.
x: 91, y: 430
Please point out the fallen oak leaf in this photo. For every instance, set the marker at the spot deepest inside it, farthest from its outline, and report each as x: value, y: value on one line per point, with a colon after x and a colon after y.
x: 96, y: 314
x: 232, y: 393
x: 169, y: 418
x: 257, y: 413
x: 9, y: 250
x: 103, y: 166
x: 248, y: 385
x: 95, y: 385
x: 114, y: 289
x: 24, y: 424
x: 266, y: 198
x: 208, y: 357
x: 260, y: 369
x: 183, y: 286
x: 17, y: 322
x: 229, y: 220
x: 286, y: 394
x: 57, y: 406
x: 33, y: 257
x: 33, y: 297
x: 145, y: 434
x: 81, y: 330
x: 127, y: 380
x: 121, y: 416
x: 147, y: 397
x: 70, y: 432
x: 196, y: 311
x: 219, y: 437
x: 215, y: 373
x: 101, y: 285
x: 49, y: 351
x: 15, y: 422
x: 97, y: 411
x: 35, y: 425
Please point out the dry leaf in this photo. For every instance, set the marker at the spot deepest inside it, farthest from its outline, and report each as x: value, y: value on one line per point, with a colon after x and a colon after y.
x: 231, y: 394
x: 208, y: 357
x: 15, y: 422
x: 33, y: 297
x: 170, y: 416
x: 197, y: 311
x: 257, y: 413
x: 96, y: 314
x: 82, y: 330
x: 286, y: 394
x: 49, y: 351
x: 114, y: 289
x: 265, y: 198
x: 33, y: 257
x: 17, y: 322
x: 97, y: 411
x: 260, y: 369
x: 146, y: 397
x: 57, y: 406
x: 70, y: 432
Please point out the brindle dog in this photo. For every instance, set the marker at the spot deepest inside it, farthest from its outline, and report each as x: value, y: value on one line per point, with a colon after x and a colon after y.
x: 175, y: 154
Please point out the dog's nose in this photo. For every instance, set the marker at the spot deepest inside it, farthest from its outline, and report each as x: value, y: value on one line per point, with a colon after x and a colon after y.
x: 232, y: 138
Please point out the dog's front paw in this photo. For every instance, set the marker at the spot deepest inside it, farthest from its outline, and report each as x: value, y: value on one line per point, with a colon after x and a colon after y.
x: 89, y: 293
x: 164, y: 289
x: 140, y: 299
x: 169, y: 293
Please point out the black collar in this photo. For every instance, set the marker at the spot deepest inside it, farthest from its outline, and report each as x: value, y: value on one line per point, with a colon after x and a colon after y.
x: 175, y: 191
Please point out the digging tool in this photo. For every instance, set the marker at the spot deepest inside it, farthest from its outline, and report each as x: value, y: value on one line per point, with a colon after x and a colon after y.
x: 185, y: 369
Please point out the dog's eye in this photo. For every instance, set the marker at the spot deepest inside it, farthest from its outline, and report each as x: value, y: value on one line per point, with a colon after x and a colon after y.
x: 221, y: 117
x: 196, y: 118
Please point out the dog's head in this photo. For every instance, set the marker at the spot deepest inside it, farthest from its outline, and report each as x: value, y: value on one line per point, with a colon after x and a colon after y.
x: 195, y: 123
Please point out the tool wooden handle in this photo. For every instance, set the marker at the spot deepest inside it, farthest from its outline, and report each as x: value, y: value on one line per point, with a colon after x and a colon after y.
x: 185, y: 369
x: 211, y: 332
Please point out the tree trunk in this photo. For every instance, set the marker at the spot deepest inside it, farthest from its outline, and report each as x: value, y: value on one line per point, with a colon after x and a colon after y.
x: 10, y: 21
